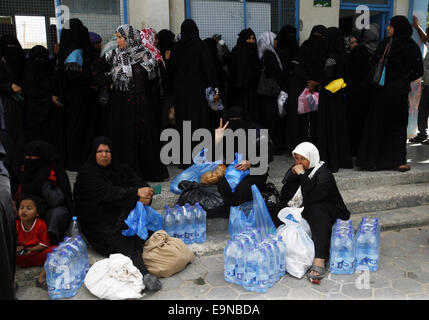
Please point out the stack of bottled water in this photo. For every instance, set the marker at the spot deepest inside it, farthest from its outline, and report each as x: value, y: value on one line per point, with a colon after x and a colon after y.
x: 342, y: 251
x: 66, y: 267
x: 187, y: 223
x: 254, y: 263
x: 367, y: 244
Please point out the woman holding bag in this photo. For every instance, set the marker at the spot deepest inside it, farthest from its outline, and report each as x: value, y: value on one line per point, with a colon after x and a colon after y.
x: 383, y: 143
x: 310, y: 185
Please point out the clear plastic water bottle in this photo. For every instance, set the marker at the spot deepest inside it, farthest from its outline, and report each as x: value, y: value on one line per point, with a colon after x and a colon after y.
x: 164, y: 212
x: 170, y: 223
x: 250, y: 269
x: 229, y: 255
x: 271, y: 261
x: 75, y: 266
x: 201, y: 217
x: 190, y: 224
x: 262, y: 271
x: 50, y: 269
x: 240, y: 260
x: 61, y: 285
x: 367, y: 248
x: 255, y: 234
x: 73, y: 229
x: 180, y: 222
x: 282, y: 248
x: 342, y: 253
x: 277, y: 252
x: 84, y: 250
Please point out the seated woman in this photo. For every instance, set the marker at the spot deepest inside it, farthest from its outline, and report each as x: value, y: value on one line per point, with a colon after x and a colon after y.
x: 235, y: 119
x: 105, y: 192
x: 43, y: 175
x: 311, y: 185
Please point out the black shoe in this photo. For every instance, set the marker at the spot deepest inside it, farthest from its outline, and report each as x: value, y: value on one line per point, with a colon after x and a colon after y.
x: 418, y: 139
x: 426, y: 142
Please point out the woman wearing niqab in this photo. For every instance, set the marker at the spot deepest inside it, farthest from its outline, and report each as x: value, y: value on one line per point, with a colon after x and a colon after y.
x: 383, y: 143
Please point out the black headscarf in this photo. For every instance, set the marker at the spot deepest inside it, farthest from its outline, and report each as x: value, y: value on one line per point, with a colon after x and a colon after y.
x: 370, y: 38
x: 12, y: 52
x: 287, y: 40
x: 165, y: 41
x: 401, y: 37
x: 36, y: 171
x: 190, y: 35
x: 335, y: 44
x: 245, y: 35
x: 10, y: 160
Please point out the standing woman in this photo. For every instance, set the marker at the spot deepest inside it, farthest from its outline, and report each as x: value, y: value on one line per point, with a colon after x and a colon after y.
x: 268, y: 109
x: 12, y: 64
x: 74, y: 80
x: 331, y: 129
x: 194, y: 71
x: 130, y: 117
x: 383, y: 143
x: 244, y: 68
x: 307, y: 73
x: 43, y: 113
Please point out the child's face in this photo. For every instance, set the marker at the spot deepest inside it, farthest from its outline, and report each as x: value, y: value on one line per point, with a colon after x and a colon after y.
x: 27, y: 210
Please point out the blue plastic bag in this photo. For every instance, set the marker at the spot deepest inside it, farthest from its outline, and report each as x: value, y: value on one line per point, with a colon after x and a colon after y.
x: 140, y: 219
x: 253, y: 214
x: 234, y: 176
x: 194, y: 172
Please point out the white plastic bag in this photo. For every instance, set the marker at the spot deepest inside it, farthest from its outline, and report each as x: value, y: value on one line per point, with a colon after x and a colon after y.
x: 296, y: 235
x: 115, y: 278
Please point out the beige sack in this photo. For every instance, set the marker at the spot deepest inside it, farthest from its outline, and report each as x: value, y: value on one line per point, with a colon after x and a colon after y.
x: 164, y: 255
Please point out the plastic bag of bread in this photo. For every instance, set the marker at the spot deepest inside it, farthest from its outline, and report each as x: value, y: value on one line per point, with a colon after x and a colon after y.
x: 213, y: 177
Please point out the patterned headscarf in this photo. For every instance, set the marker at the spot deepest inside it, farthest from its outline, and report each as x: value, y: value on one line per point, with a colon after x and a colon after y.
x: 266, y: 42
x: 148, y: 39
x: 122, y: 59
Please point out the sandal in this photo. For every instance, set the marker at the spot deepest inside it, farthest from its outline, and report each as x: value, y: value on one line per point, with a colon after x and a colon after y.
x: 404, y: 168
x: 316, y: 279
x: 42, y: 285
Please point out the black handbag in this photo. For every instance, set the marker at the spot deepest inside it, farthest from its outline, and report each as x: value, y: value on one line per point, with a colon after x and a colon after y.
x: 376, y: 72
x: 104, y: 96
x: 267, y: 86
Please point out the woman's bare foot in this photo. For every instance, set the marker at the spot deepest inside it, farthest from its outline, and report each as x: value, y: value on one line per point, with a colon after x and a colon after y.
x: 318, y: 263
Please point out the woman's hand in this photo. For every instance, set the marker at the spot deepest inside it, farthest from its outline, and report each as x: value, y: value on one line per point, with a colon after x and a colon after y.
x: 56, y: 101
x: 168, y: 54
x: 298, y: 169
x: 220, y: 132
x: 312, y: 85
x: 16, y: 88
x: 145, y: 195
x: 243, y: 165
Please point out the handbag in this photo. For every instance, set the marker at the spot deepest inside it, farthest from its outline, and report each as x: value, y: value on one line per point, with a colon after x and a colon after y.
x: 377, y: 74
x: 267, y: 86
x: 104, y: 96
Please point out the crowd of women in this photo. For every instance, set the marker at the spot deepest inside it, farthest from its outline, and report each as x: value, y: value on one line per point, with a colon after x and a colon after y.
x: 52, y: 110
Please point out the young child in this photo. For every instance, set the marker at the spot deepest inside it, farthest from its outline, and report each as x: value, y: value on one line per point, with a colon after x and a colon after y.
x: 33, y: 242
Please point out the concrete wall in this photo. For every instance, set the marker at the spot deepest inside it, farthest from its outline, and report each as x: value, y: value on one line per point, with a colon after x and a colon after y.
x: 400, y: 7
x: 177, y: 15
x: 149, y: 13
x: 311, y: 16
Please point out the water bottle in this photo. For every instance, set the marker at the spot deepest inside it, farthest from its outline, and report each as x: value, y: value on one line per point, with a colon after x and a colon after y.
x: 240, y: 260
x: 255, y: 234
x: 367, y: 248
x: 61, y: 285
x: 73, y: 229
x: 250, y: 269
x: 50, y: 265
x: 201, y: 217
x: 180, y: 223
x: 262, y: 271
x: 271, y: 261
x: 170, y: 223
x: 78, y: 263
x: 282, y: 248
x: 164, y: 212
x: 75, y: 266
x: 229, y: 261
x: 190, y: 224
x: 342, y: 253
x: 84, y: 250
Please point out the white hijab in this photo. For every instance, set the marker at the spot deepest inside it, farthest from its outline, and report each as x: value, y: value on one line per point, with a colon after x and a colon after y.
x: 310, y: 152
x: 266, y: 42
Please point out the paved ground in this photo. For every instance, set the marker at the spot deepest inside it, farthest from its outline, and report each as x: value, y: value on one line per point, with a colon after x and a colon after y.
x: 403, y: 275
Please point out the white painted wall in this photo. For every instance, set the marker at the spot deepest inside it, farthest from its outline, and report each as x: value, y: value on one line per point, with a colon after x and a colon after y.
x: 149, y: 13
x: 400, y: 7
x: 177, y: 15
x: 312, y: 16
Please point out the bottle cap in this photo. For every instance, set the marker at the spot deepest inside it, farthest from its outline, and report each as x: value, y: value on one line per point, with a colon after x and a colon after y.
x: 74, y: 218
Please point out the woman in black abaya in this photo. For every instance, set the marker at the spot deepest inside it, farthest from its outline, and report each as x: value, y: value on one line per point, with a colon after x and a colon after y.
x: 332, y: 138
x: 308, y: 72
x: 244, y: 68
x: 357, y: 91
x: 105, y: 192
x: 43, y: 117
x: 383, y: 143
x: 74, y: 77
x: 12, y: 64
x: 130, y: 119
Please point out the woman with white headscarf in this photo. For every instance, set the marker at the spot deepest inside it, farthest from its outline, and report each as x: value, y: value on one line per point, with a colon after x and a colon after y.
x: 268, y: 107
x: 311, y: 185
x: 130, y: 118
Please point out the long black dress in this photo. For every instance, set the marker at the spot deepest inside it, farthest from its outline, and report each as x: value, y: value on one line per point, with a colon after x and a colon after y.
x: 12, y: 64
x: 74, y: 82
x: 244, y: 68
x: 383, y: 143
x: 194, y: 71
x: 104, y: 198
x: 323, y: 204
x: 332, y: 138
x: 310, y: 67
x: 43, y: 119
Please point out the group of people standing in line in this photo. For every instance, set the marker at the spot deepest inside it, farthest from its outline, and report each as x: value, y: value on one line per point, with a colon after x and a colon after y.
x: 51, y: 112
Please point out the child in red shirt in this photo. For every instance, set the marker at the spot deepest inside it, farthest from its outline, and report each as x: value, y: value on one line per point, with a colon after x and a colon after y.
x: 33, y: 242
